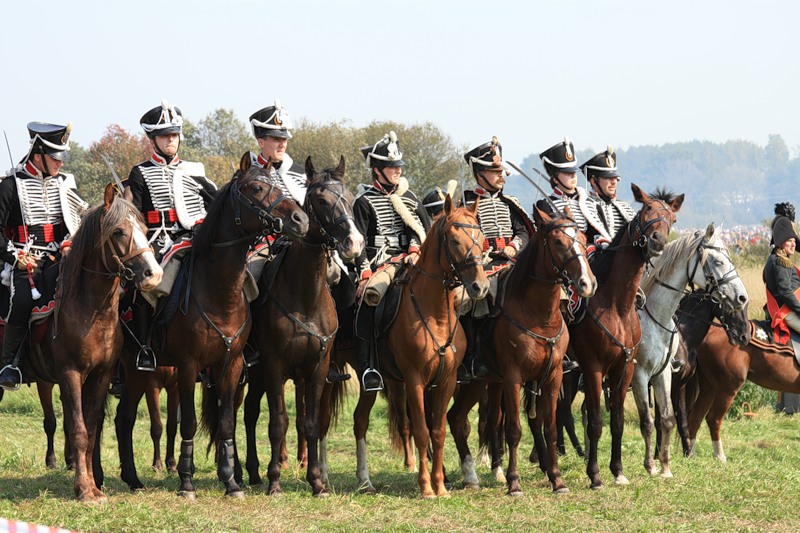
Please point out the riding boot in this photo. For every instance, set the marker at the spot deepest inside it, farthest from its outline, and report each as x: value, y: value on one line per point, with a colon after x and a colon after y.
x: 13, y: 338
x: 473, y: 366
x: 371, y: 379
x: 568, y: 365
x: 677, y: 365
x: 334, y: 376
x: 140, y: 327
x: 251, y: 355
x: 117, y: 382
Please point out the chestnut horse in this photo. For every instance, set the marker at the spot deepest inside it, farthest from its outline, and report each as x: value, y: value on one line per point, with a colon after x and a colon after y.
x: 606, y: 340
x: 695, y: 315
x: 723, y: 368
x: 295, y: 323
x: 700, y: 260
x: 424, y: 345
x: 211, y: 327
x: 80, y: 348
x: 527, y: 341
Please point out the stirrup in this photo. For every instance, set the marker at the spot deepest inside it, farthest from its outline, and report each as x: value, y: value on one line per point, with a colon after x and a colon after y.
x: 147, y: 351
x: 19, y: 381
x: 676, y: 365
x: 371, y: 371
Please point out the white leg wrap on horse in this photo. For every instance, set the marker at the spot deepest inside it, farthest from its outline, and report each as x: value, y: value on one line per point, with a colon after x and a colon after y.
x: 323, y: 460
x: 499, y: 475
x: 719, y: 453
x: 362, y: 470
x: 468, y: 471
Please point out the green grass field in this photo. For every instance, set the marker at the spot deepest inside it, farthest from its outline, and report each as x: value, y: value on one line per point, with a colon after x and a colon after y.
x: 756, y: 490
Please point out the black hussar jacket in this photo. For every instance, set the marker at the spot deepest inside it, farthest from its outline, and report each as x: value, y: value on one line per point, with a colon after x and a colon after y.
x: 502, y: 218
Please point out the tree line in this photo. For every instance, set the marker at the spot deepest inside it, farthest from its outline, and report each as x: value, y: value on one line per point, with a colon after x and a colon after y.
x: 736, y: 182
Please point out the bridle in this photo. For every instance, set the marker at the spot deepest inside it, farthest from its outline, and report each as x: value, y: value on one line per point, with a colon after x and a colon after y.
x: 123, y: 271
x: 269, y: 223
x: 562, y: 276
x: 453, y: 277
x: 636, y: 226
x: 330, y: 240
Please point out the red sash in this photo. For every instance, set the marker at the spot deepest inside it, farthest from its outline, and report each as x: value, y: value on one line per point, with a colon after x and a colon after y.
x: 778, y: 313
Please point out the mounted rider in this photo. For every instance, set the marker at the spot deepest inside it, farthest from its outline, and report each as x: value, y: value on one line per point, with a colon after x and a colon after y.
x: 781, y: 277
x: 434, y: 200
x: 601, y: 171
x: 506, y: 228
x: 39, y: 210
x: 173, y: 196
x: 394, y: 224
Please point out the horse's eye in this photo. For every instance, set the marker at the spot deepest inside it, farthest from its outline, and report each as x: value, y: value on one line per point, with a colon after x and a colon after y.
x: 118, y: 232
x: 258, y: 188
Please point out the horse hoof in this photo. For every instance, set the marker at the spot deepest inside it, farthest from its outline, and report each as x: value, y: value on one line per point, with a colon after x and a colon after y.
x: 323, y: 494
x: 445, y: 494
x: 621, y: 480
x: 276, y: 493
x: 515, y: 493
x: 666, y: 475
x: 429, y: 496
x: 597, y: 486
x: 188, y: 494
x: 562, y: 490
x: 472, y: 486
x: 367, y: 488
x: 238, y: 494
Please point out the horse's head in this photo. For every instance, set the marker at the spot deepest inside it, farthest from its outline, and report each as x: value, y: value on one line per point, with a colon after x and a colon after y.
x: 650, y: 228
x: 565, y: 247
x: 711, y: 269
x: 123, y: 237
x: 735, y: 322
x: 461, y: 238
x: 329, y: 205
x: 266, y: 209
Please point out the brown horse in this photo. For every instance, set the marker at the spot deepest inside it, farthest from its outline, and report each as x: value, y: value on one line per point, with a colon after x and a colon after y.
x: 149, y: 385
x: 696, y: 314
x: 424, y: 345
x: 606, y: 340
x: 722, y: 369
x: 295, y: 324
x: 527, y: 341
x: 80, y: 349
x: 210, y: 329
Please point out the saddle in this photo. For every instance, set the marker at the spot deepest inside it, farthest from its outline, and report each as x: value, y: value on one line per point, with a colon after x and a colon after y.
x: 761, y: 337
x: 386, y: 310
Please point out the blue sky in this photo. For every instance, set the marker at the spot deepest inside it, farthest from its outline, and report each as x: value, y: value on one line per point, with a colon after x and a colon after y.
x: 618, y: 72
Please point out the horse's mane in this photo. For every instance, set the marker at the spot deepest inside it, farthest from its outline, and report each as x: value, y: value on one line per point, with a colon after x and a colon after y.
x: 95, y: 230
x: 663, y: 194
x: 526, y: 262
x: 677, y: 252
x: 604, y: 259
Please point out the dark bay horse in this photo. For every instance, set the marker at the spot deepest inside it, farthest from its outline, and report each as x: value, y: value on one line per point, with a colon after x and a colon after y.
x: 79, y: 351
x: 527, y: 341
x: 295, y: 324
x: 605, y: 341
x: 425, y: 345
x: 210, y: 329
x: 696, y: 314
x: 722, y: 369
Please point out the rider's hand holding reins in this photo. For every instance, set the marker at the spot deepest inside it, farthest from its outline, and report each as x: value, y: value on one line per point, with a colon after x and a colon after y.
x: 510, y: 252
x: 411, y: 258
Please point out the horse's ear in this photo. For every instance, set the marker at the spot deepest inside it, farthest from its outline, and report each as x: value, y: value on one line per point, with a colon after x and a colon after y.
x: 448, y: 205
x: 709, y: 233
x: 474, y: 209
x: 677, y: 203
x: 310, y: 172
x: 638, y: 194
x: 245, y: 163
x: 540, y: 217
x: 340, y: 169
x: 108, y: 196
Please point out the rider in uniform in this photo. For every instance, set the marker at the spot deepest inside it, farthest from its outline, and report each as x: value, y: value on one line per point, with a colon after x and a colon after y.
x: 173, y: 196
x: 781, y: 277
x: 39, y: 209
x: 506, y: 228
x: 394, y: 224
x: 271, y: 128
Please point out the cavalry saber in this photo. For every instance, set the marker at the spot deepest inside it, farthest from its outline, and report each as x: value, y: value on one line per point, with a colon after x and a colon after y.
x: 107, y: 161
x: 546, y: 196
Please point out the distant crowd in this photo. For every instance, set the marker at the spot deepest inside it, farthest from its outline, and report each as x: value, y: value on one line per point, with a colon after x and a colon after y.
x: 739, y: 237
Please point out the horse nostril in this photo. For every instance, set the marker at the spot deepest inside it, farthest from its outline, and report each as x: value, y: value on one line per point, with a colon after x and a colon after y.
x: 742, y: 299
x: 297, y: 217
x: 148, y: 273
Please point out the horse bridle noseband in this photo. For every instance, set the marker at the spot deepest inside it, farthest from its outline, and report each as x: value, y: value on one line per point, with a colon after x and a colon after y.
x: 270, y: 224
x: 331, y: 241
x: 643, y: 240
x: 561, y: 271
x: 123, y: 270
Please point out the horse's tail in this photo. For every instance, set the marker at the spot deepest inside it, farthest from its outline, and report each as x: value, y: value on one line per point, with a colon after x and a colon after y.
x: 397, y: 413
x: 483, y: 422
x: 339, y: 391
x: 209, y: 415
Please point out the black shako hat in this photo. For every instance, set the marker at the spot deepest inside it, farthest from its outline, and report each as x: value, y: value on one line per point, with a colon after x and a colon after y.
x: 50, y: 139
x: 783, y: 230
x: 271, y: 121
x: 487, y: 155
x: 162, y: 120
x: 602, y: 165
x: 559, y: 158
x: 384, y: 153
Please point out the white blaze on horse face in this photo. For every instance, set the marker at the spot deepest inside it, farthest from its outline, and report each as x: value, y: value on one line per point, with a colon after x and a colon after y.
x: 717, y: 268
x: 585, y: 278
x: 140, y: 242
x: 354, y: 243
